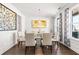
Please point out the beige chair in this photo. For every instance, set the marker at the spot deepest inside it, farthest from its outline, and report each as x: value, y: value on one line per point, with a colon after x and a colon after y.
x: 47, y: 42
x: 47, y: 39
x: 29, y: 42
x: 20, y: 39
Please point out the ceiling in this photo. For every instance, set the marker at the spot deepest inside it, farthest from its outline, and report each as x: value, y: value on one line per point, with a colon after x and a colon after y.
x: 39, y: 9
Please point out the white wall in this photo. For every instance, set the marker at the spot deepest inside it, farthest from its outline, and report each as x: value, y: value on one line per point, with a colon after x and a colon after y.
x: 7, y: 38
x: 29, y: 27
x: 52, y: 23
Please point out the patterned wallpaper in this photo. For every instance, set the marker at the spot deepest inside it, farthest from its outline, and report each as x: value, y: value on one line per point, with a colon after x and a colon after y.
x: 7, y: 19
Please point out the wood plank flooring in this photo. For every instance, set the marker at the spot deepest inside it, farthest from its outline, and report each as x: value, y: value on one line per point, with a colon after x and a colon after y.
x: 57, y: 49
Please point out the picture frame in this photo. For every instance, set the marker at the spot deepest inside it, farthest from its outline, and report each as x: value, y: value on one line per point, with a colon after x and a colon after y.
x: 39, y: 23
x: 8, y: 19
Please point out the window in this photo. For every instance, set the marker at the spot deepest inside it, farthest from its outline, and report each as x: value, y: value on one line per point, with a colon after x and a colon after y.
x: 75, y: 25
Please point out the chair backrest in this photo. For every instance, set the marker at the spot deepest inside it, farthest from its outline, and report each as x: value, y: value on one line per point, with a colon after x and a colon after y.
x: 30, y: 41
x: 20, y: 36
x: 47, y: 39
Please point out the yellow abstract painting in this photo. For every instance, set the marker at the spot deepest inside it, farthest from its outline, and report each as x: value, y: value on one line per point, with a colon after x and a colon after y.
x: 43, y: 23
x: 35, y: 23
x: 39, y: 23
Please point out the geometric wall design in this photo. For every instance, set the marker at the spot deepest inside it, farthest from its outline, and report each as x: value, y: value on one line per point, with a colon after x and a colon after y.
x: 7, y: 19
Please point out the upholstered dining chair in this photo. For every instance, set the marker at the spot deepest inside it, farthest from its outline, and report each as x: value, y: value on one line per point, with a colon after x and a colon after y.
x: 29, y: 43
x: 47, y: 42
x: 20, y: 39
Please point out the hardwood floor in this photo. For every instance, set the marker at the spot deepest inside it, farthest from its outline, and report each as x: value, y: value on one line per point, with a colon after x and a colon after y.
x: 57, y: 49
x: 39, y: 51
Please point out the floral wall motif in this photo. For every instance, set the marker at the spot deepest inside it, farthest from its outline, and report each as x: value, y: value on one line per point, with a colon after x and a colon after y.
x: 7, y: 19
x: 66, y: 24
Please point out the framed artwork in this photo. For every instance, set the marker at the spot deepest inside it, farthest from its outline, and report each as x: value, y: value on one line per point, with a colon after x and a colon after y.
x: 39, y: 23
x: 35, y: 23
x: 43, y: 23
x: 7, y: 19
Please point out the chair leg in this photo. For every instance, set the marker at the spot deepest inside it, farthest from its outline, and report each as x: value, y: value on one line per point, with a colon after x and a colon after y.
x: 18, y: 44
x: 21, y: 43
x: 25, y: 50
x: 43, y: 49
x: 34, y: 50
x: 51, y: 49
